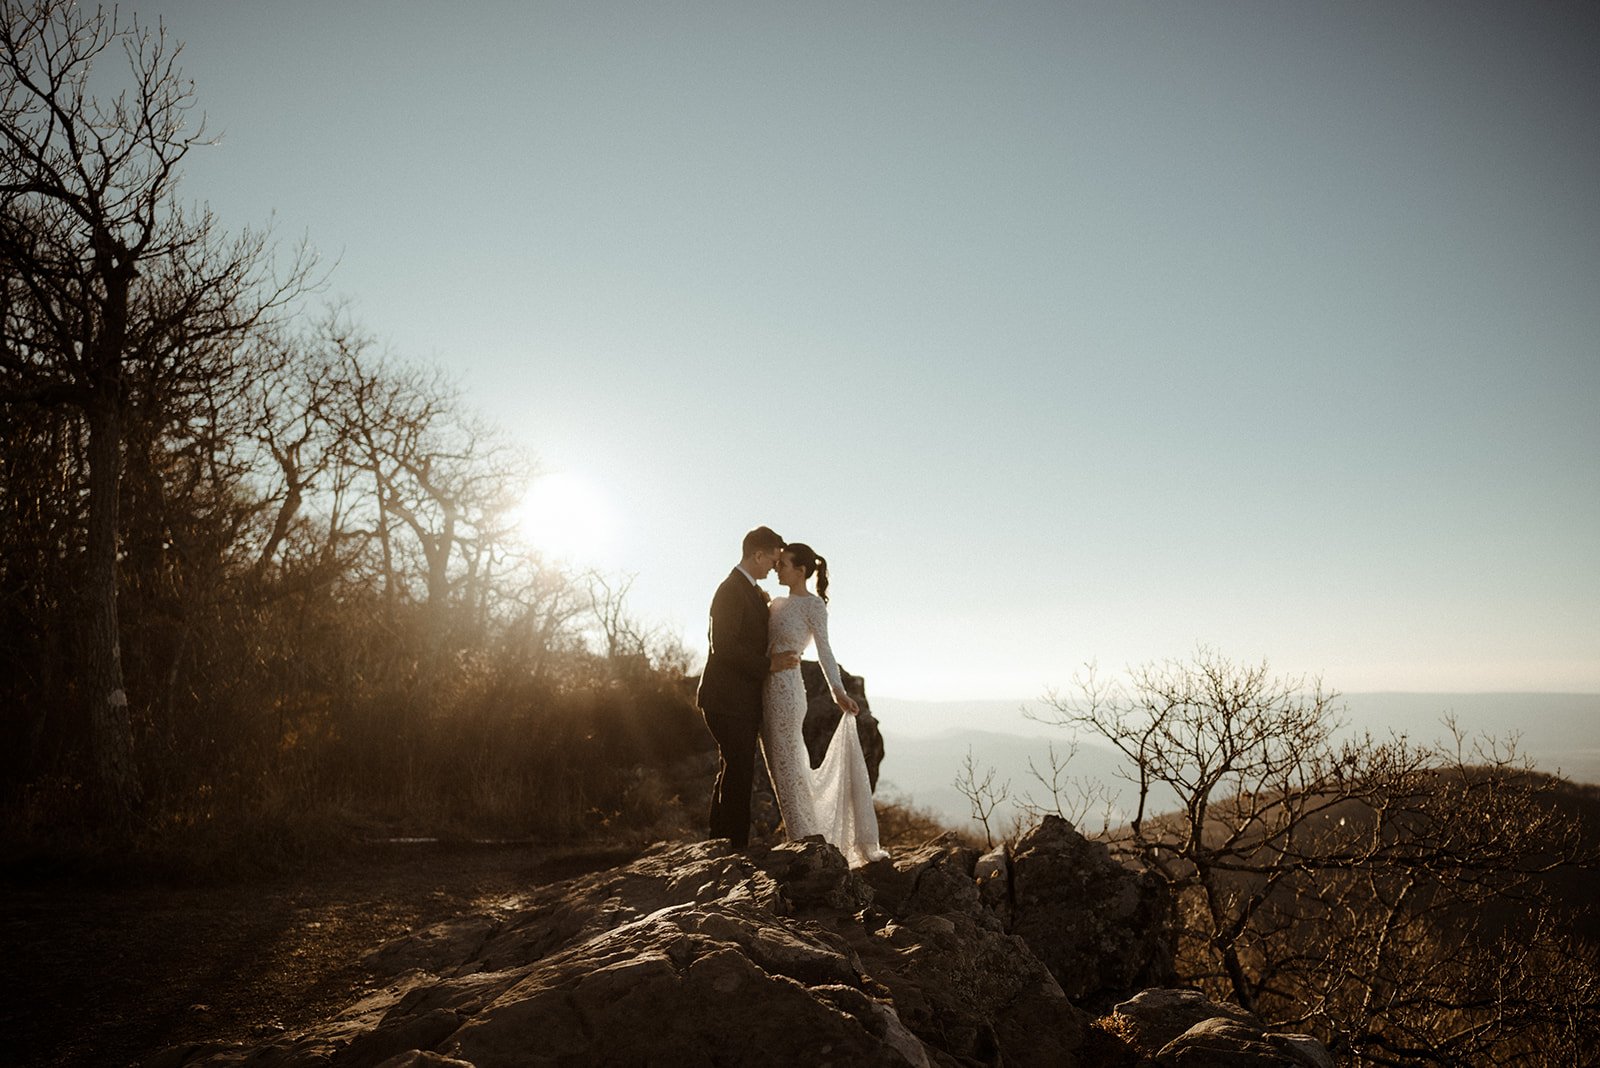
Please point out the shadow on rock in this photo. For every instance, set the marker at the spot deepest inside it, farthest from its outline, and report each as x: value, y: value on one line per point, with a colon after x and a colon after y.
x: 697, y: 954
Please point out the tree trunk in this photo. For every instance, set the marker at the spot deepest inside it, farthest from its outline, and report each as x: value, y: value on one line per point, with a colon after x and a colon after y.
x: 287, y: 511
x: 113, y: 776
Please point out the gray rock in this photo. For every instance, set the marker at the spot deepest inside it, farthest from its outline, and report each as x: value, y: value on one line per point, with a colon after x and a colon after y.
x: 992, y: 875
x: 822, y: 717
x: 461, y: 996
x: 553, y: 917
x: 417, y: 1058
x: 697, y: 954
x: 812, y: 874
x: 971, y: 992
x: 1103, y: 929
x: 1186, y: 1029
x: 689, y: 984
x: 935, y: 878
x: 1223, y: 1042
x: 1154, y: 1018
x: 407, y: 1033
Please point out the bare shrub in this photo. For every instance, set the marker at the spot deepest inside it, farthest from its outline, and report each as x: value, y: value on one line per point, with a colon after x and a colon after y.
x: 1389, y: 896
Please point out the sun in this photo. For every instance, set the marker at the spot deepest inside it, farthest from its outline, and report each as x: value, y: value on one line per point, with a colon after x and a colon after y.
x: 567, y: 518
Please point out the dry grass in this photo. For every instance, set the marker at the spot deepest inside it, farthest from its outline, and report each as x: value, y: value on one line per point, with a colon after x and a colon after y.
x: 595, y: 764
x: 903, y: 825
x: 1109, y: 1043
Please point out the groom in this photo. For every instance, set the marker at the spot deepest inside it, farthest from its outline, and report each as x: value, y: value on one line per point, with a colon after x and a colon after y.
x: 730, y: 687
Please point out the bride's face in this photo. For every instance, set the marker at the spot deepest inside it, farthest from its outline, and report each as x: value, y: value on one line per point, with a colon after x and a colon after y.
x: 788, y: 570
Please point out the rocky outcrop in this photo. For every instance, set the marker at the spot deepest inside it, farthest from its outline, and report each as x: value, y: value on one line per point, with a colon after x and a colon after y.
x: 822, y: 717
x: 697, y: 954
x: 1099, y: 954
x: 1185, y: 1029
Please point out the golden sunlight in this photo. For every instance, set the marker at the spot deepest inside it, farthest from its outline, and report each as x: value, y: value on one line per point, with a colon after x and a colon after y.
x: 567, y: 517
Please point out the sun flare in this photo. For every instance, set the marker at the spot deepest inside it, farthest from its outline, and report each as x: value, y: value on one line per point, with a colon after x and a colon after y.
x: 566, y: 517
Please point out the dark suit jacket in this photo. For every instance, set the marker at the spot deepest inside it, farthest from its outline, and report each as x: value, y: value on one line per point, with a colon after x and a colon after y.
x: 737, y: 665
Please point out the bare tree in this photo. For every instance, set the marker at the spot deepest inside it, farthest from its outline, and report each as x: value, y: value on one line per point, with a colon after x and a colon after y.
x: 442, y: 481
x: 1345, y: 886
x: 108, y: 281
x: 545, y: 607
x: 299, y: 442
x: 1073, y: 798
x: 981, y: 793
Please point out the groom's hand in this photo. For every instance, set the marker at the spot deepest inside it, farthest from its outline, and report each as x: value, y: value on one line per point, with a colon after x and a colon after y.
x: 784, y: 661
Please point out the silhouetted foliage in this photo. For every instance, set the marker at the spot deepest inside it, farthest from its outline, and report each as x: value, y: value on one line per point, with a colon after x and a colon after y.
x: 325, y: 611
x: 253, y: 569
x: 119, y: 309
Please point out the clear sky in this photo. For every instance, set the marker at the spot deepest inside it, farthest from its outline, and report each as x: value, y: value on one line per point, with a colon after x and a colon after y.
x: 1065, y: 331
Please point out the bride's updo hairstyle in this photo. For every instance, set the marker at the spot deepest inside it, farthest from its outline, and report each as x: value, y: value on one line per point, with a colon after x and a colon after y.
x: 807, y: 560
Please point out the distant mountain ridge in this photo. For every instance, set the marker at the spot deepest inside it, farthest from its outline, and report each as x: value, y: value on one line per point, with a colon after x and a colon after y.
x: 926, y: 741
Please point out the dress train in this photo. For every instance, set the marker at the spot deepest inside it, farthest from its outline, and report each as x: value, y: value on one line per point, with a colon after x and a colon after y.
x: 834, y: 800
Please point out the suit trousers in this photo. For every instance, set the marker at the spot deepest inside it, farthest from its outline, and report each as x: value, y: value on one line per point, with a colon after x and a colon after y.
x: 730, y: 797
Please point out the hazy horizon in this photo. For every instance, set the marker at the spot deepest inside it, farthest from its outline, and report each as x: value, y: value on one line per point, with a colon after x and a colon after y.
x: 925, y: 741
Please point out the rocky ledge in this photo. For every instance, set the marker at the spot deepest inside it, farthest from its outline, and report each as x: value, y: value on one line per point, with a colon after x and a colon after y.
x: 696, y: 954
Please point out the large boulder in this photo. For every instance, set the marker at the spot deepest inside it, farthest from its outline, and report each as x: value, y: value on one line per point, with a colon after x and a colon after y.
x: 822, y: 717
x: 1221, y: 1042
x: 1104, y: 930
x: 697, y: 954
x: 1186, y: 1029
x: 970, y: 992
x: 1152, y: 1018
x: 725, y: 983
x: 934, y: 879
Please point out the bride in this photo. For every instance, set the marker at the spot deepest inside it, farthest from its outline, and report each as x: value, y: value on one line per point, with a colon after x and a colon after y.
x: 834, y: 800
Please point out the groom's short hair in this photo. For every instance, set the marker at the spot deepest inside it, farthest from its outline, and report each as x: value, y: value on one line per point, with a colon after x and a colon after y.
x: 760, y: 540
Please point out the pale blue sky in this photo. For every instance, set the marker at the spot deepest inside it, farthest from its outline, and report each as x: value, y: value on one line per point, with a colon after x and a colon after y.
x: 1066, y: 331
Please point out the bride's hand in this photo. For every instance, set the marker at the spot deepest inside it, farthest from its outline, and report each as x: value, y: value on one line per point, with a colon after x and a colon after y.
x: 846, y: 702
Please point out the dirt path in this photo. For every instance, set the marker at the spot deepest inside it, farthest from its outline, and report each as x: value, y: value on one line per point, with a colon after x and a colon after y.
x: 107, y: 975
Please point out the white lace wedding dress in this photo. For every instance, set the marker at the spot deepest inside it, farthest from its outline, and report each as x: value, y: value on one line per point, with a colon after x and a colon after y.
x: 834, y: 800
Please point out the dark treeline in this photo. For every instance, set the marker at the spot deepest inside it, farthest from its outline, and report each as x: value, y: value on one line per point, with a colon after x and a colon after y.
x: 249, y: 564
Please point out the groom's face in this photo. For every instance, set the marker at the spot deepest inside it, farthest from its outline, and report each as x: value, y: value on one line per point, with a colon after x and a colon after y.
x: 766, y: 561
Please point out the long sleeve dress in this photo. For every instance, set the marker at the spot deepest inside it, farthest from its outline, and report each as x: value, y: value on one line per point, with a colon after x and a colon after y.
x: 834, y: 800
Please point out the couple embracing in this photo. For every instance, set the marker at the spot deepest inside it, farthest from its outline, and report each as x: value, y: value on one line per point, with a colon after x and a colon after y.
x: 752, y: 689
